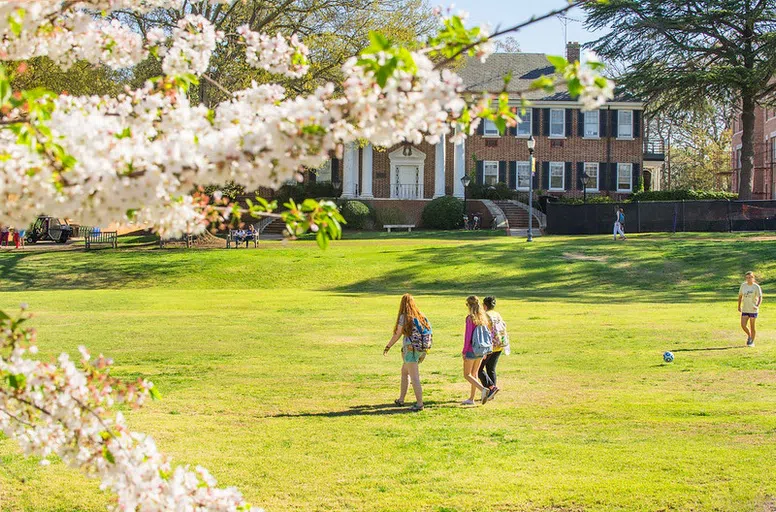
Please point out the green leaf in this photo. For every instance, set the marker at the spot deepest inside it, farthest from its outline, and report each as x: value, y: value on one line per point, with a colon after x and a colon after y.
x: 17, y: 381
x: 155, y: 394
x: 108, y: 455
x: 559, y: 62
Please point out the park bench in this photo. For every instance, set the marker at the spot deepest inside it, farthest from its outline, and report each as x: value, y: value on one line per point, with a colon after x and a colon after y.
x: 187, y: 239
x: 237, y: 236
x: 408, y: 227
x: 101, y: 238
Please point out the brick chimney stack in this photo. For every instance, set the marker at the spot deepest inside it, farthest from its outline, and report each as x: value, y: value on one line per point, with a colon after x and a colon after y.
x: 573, y: 51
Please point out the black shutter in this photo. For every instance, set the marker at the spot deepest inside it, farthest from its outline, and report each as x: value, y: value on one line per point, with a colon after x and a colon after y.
x: 481, y: 127
x: 480, y: 172
x: 335, y: 165
x: 636, y: 174
x: 535, y: 117
x: 614, y: 126
x: 580, y: 123
x: 603, y: 124
x: 312, y: 176
x: 546, y: 122
x: 569, y: 122
x: 512, y: 131
x: 603, y: 176
x: 512, y: 175
x: 613, y: 177
x: 537, y: 184
x: 636, y: 124
x: 580, y: 172
x: 569, y: 184
x: 502, y: 171
x: 545, y: 181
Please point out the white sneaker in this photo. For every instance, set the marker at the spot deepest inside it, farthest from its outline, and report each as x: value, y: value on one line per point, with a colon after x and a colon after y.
x: 485, y: 395
x: 467, y: 402
x: 749, y: 342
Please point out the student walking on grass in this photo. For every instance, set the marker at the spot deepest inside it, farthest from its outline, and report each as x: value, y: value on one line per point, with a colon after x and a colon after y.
x: 487, y: 373
x: 750, y: 296
x: 475, y: 345
x: 619, y: 224
x: 415, y: 328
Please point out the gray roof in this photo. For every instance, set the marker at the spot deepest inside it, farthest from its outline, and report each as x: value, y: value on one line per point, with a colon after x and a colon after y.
x: 489, y: 76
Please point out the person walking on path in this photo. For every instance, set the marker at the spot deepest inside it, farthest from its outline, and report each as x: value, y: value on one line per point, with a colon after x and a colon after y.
x: 410, y: 322
x: 619, y: 224
x: 487, y: 373
x: 472, y: 361
x: 4, y: 236
x: 750, y: 296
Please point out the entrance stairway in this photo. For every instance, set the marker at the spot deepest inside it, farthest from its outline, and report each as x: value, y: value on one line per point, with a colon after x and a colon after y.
x: 517, y: 216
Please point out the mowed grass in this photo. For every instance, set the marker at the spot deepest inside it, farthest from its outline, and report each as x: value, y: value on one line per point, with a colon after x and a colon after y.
x: 270, y: 363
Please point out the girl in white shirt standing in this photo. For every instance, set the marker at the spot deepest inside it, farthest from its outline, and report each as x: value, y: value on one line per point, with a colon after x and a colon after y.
x: 750, y: 296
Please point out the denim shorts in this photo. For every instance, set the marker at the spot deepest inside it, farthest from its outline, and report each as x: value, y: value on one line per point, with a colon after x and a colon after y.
x: 409, y: 355
x: 750, y: 315
x: 471, y: 355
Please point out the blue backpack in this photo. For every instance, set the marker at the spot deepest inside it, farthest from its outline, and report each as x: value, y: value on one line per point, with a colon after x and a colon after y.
x: 421, y: 337
x: 482, y: 341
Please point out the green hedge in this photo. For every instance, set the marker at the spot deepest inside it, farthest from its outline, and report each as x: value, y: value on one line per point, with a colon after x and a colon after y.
x: 357, y: 215
x: 443, y: 213
x: 679, y: 195
x: 498, y: 192
x: 591, y: 199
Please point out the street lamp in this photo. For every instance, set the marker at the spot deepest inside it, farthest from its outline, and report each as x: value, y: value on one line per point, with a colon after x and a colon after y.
x: 531, y: 145
x: 465, y: 180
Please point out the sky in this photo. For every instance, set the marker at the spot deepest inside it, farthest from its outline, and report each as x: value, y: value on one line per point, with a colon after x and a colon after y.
x: 543, y: 37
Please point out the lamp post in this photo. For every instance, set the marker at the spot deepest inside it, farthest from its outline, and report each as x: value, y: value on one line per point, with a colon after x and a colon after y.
x: 465, y: 180
x: 585, y: 181
x: 531, y: 145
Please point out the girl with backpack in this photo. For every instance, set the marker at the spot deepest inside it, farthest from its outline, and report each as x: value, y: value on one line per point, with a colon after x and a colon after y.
x: 416, y: 329
x: 487, y: 372
x: 475, y: 341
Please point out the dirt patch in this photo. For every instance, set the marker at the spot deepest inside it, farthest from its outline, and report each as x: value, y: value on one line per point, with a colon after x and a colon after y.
x: 768, y: 506
x: 584, y: 257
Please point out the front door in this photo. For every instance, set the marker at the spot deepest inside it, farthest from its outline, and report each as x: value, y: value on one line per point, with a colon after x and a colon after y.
x: 406, y: 183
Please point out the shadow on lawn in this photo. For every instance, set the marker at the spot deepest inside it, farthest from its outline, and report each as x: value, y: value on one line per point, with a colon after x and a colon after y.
x: 365, y: 410
x: 647, y: 269
x: 709, y: 349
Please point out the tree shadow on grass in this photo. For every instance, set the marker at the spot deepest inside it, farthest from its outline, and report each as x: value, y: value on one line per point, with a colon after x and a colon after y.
x: 366, y: 410
x: 709, y: 349
x: 649, y: 269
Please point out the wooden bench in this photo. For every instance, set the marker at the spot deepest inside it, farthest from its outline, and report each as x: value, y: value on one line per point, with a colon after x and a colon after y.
x: 187, y: 239
x: 101, y: 238
x: 408, y: 227
x: 237, y: 236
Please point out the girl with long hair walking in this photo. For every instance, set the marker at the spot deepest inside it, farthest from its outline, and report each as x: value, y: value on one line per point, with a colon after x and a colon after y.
x: 410, y: 323
x: 472, y: 361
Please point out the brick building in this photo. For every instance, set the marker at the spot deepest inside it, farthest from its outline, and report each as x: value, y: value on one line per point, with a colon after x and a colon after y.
x: 607, y: 146
x: 764, y: 153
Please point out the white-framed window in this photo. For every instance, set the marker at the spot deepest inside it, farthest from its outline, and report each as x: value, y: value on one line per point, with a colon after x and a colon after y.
x: 526, y: 123
x: 557, y: 176
x: 523, y: 175
x: 490, y: 129
x: 591, y: 169
x: 625, y: 124
x: 323, y: 173
x: 773, y: 149
x: 557, y: 122
x: 624, y: 177
x: 490, y: 173
x: 592, y: 123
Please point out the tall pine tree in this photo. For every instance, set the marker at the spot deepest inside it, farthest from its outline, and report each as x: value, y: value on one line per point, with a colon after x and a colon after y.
x: 684, y: 52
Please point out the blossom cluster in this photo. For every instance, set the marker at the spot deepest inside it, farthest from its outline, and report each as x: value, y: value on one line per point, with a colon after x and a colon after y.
x: 275, y: 54
x: 58, y: 409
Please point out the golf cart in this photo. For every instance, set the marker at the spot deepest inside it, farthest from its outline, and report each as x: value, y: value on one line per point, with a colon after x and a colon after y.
x: 49, y: 229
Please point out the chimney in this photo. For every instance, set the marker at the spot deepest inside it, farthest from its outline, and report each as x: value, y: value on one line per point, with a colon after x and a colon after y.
x: 572, y: 51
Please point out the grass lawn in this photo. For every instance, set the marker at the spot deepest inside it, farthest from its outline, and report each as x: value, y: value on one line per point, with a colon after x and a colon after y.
x: 270, y: 363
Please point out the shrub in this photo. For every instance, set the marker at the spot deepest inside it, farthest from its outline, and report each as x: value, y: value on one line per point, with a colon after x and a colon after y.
x: 591, y: 199
x: 357, y: 215
x: 390, y: 216
x: 443, y: 213
x: 498, y: 192
x: 678, y: 195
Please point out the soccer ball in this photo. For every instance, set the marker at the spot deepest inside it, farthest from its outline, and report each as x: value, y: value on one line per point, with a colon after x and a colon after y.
x: 668, y: 357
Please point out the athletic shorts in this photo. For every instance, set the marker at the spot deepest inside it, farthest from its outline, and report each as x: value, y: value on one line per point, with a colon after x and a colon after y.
x: 409, y: 355
x: 750, y: 315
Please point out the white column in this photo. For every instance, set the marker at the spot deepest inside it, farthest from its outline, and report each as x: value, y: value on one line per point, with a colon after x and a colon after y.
x: 349, y: 164
x: 439, y: 168
x: 459, y: 166
x: 366, y: 172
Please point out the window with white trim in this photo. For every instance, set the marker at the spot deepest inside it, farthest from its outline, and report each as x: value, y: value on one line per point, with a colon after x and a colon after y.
x: 323, y: 173
x: 557, y: 122
x: 591, y: 182
x: 525, y: 125
x: 592, y: 122
x: 523, y: 175
x: 625, y: 124
x: 557, y: 176
x: 773, y: 149
x: 624, y: 177
x: 490, y: 129
x: 490, y: 173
